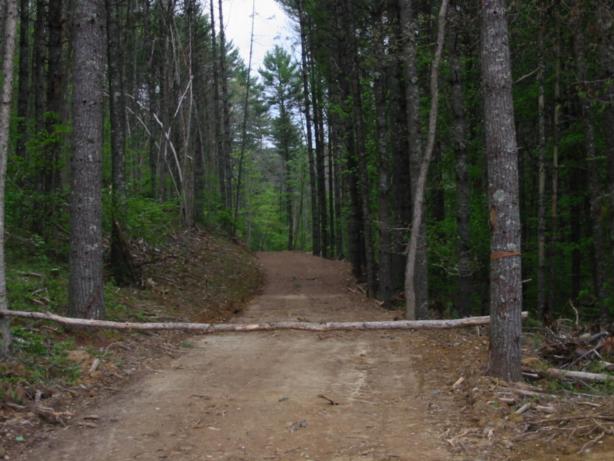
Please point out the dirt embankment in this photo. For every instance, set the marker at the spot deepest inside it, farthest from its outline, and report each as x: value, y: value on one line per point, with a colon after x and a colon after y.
x: 194, y: 277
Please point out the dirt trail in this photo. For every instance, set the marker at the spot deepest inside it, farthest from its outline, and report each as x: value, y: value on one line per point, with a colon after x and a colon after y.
x: 257, y: 396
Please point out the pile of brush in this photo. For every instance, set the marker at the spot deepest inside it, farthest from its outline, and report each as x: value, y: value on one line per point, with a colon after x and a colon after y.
x: 574, y: 354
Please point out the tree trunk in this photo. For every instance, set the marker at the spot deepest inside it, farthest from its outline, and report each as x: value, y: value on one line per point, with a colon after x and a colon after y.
x: 8, y: 56
x: 55, y: 98
x: 606, y: 52
x: 211, y: 328
x: 412, y: 94
x: 226, y: 134
x: 356, y: 244
x: 541, y: 192
x: 554, y: 214
x: 315, y: 217
x: 245, y: 119
x: 503, y: 193
x: 86, y: 271
x: 413, y: 308
x: 122, y: 264
x: 463, y: 187
x: 597, y: 203
x: 23, y: 113
x: 117, y: 101
x: 384, y: 286
x: 218, y: 121
x: 331, y: 194
x: 362, y: 170
x: 398, y: 137
x: 319, y: 154
x: 38, y: 65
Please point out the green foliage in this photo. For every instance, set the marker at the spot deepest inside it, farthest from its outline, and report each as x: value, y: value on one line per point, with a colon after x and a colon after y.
x: 145, y: 218
x: 46, y: 359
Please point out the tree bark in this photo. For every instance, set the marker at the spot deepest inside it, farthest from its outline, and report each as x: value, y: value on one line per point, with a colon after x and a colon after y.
x: 8, y: 56
x: 86, y: 271
x: 463, y: 187
x: 413, y: 308
x: 315, y: 217
x: 117, y: 100
x: 245, y: 120
x: 210, y: 328
x: 38, y: 65
x: 122, y: 264
x: 55, y: 99
x: 218, y: 121
x: 503, y: 194
x: 226, y: 134
x: 541, y: 161
x: 384, y: 277
x: 24, y: 77
x: 319, y: 152
x: 360, y: 149
x: 356, y: 239
x: 596, y: 201
x: 412, y: 96
x: 554, y: 213
x: 606, y: 53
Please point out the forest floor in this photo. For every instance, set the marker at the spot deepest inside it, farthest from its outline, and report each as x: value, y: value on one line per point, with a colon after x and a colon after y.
x: 369, y: 396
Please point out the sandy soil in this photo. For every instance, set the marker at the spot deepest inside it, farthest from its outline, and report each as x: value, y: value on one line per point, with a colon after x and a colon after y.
x: 263, y: 396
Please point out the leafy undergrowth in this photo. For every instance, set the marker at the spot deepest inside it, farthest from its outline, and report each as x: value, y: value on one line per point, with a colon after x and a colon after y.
x: 54, y: 371
x: 483, y: 418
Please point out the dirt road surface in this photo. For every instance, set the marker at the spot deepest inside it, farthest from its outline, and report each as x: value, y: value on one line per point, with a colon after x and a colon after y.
x: 272, y: 395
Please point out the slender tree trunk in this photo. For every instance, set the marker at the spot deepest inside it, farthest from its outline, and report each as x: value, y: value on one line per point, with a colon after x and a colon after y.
x: 218, y: 121
x: 577, y: 189
x: 38, y: 65
x: 117, y: 101
x: 226, y: 134
x: 556, y: 121
x: 361, y: 153
x: 319, y: 155
x: 152, y: 97
x: 23, y: 113
x: 356, y: 246
x: 331, y: 195
x: 8, y: 56
x: 315, y: 217
x: 420, y: 271
x: 503, y: 193
x: 86, y: 271
x: 288, y: 198
x: 398, y: 138
x: 384, y: 277
x: 245, y: 119
x: 55, y: 97
x: 541, y: 160
x: 413, y: 309
x: 335, y: 140
x: 186, y: 120
x: 596, y: 202
x: 122, y: 265
x: 463, y: 186
x: 606, y: 53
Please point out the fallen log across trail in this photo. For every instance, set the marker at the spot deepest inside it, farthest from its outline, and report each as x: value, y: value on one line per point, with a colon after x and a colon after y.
x: 208, y: 328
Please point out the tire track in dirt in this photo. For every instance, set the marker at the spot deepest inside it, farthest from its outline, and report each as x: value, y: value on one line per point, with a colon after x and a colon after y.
x: 256, y: 396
